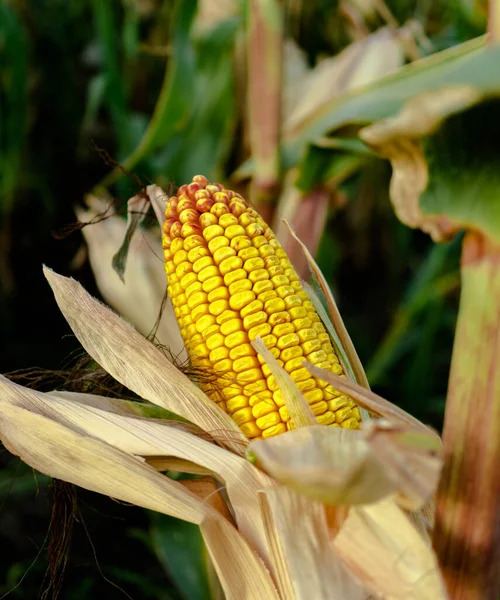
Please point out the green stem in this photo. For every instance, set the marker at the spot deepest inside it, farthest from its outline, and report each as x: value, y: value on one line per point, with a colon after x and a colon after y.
x: 467, y: 533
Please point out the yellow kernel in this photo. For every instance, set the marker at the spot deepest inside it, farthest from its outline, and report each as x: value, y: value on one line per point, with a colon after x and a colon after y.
x: 270, y: 341
x: 272, y: 261
x: 326, y: 418
x: 231, y: 391
x: 306, y: 385
x: 183, y: 268
x: 272, y: 383
x: 217, y: 243
x: 241, y: 351
x: 234, y: 231
x: 276, y: 430
x: 218, y: 307
x: 201, y: 351
x: 332, y: 359
x: 201, y: 263
x: 222, y: 254
x: 266, y: 250
x: 189, y: 243
x: 249, y: 376
x: 253, y: 263
x: 281, y: 253
x: 259, y: 241
x: 292, y: 301
x: 236, y: 403
x: 249, y: 309
x: 241, y: 300
x: 177, y: 244
x: 196, y: 299
x: 341, y: 414
x: 283, y: 329
x: 248, y: 253
x: 199, y: 311
x: 176, y: 289
x: 267, y: 371
x: 275, y: 271
x: 278, y: 398
x: 212, y: 231
x: 208, y: 272
x: 215, y: 341
x: 207, y: 220
x: 306, y: 335
x: 184, y: 309
x: 209, y: 331
x: 260, y: 396
x: 240, y: 242
x: 211, y: 284
x: 245, y: 363
x: 191, y: 331
x: 221, y: 293
x: 179, y: 257
x: 228, y: 220
x: 223, y: 366
x: 286, y: 341
x: 231, y: 326
x: 314, y: 396
x: 266, y: 296
x: 204, y: 322
x: 274, y: 305
x: 240, y: 286
x: 323, y: 337
x: 268, y: 420
x: 254, y: 229
x: 302, y: 324
x: 298, y: 312
x: 262, y: 286
x: 253, y: 388
x: 319, y: 408
x: 351, y: 423
x: 295, y: 284
x: 300, y: 375
x: 317, y: 357
x: 259, y: 331
x: 236, y: 275
x: 311, y: 346
x: 250, y: 430
x: 258, y: 275
x: 283, y: 411
x: 327, y: 347
x: 318, y: 327
x: 246, y: 218
x: 197, y: 253
x: 244, y: 415
x: 230, y: 264
x: 274, y: 351
x: 188, y: 280
x: 356, y: 413
x: 193, y: 288
x: 263, y: 408
x: 313, y: 316
x: 294, y: 363
x: 309, y: 306
x: 279, y: 280
x: 226, y: 315
x: 279, y: 318
x: 254, y: 319
x: 219, y: 354
x: 284, y: 290
x: 303, y: 295
x: 169, y: 268
x: 235, y: 339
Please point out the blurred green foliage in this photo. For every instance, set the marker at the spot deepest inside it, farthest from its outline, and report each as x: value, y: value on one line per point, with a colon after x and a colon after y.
x: 160, y: 89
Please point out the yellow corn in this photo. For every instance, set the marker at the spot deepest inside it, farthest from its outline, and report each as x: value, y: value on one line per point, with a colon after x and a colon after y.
x: 230, y: 281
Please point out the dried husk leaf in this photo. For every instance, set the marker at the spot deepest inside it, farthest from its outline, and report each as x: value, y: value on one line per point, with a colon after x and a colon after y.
x: 337, y: 321
x: 369, y: 400
x: 147, y: 437
x: 380, y: 545
x: 209, y: 492
x: 240, y: 571
x: 60, y: 452
x: 328, y: 464
x: 137, y: 364
x: 139, y: 298
x: 158, y: 199
x: 298, y: 408
x: 90, y: 463
x: 171, y: 463
x: 306, y: 566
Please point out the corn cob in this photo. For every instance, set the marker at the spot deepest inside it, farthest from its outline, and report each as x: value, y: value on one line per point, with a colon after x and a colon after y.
x: 230, y: 281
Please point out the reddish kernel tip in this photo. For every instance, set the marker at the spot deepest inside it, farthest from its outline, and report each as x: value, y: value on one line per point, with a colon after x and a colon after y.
x: 184, y: 203
x: 204, y: 204
x: 201, y: 180
x: 175, y: 230
x: 212, y: 189
x: 182, y: 190
x: 192, y: 188
x: 168, y: 224
x: 201, y: 194
x: 221, y: 197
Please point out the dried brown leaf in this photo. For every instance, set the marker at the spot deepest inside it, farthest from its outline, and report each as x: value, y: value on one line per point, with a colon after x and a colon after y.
x: 137, y: 364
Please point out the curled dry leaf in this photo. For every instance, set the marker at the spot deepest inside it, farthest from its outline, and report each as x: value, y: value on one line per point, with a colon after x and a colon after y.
x: 329, y: 464
x: 397, y: 138
x: 150, y: 437
x: 380, y: 545
x: 139, y: 297
x: 137, y: 364
x: 306, y: 565
x: 298, y: 408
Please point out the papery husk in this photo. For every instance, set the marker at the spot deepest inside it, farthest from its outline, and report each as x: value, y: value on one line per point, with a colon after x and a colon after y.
x: 95, y: 465
x: 298, y: 408
x: 380, y: 545
x: 305, y: 564
x: 136, y: 363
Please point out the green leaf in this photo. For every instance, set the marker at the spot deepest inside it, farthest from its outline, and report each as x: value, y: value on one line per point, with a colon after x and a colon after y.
x: 180, y: 549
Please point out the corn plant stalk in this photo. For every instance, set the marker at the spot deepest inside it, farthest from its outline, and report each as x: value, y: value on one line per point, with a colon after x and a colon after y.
x: 467, y: 534
x: 265, y: 55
